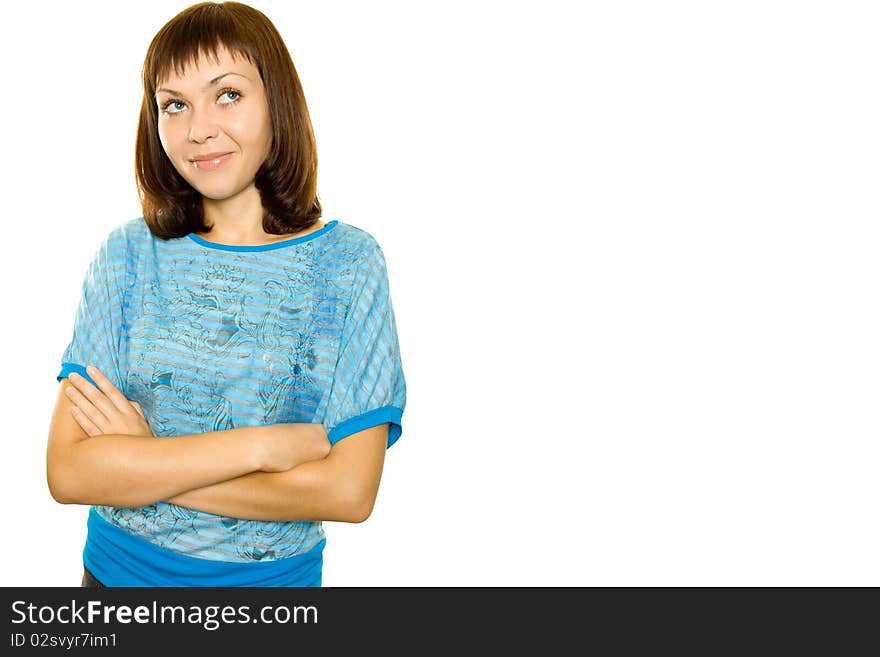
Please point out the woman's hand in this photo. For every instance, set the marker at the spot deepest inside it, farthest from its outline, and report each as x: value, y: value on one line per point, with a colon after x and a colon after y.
x: 104, y: 411
x: 285, y: 446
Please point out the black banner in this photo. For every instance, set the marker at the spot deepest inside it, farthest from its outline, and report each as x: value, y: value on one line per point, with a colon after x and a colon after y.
x: 132, y: 620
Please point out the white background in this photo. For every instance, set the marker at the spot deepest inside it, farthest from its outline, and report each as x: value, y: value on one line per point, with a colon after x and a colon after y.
x: 633, y: 253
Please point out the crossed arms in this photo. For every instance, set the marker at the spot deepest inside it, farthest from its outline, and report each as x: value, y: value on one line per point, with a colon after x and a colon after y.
x: 99, y: 453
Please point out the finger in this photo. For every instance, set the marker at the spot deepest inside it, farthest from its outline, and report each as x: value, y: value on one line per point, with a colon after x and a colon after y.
x: 85, y: 408
x: 97, y: 398
x: 87, y: 425
x: 106, y: 385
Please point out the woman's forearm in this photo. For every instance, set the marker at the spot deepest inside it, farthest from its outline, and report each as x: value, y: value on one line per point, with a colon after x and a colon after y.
x: 130, y: 471
x: 305, y: 492
x: 340, y: 487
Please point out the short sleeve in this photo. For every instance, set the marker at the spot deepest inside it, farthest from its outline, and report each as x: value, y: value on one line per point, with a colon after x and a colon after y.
x: 97, y: 325
x: 368, y: 386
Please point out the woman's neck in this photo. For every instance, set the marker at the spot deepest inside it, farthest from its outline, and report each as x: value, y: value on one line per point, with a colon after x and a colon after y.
x: 236, y: 220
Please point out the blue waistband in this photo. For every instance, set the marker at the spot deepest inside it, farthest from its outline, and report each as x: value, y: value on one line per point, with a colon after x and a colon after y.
x: 118, y: 558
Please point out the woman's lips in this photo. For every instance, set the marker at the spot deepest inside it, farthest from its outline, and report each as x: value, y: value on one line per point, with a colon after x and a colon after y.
x: 210, y: 165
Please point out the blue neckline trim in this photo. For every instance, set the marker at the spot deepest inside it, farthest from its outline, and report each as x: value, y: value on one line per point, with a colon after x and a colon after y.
x: 263, y: 247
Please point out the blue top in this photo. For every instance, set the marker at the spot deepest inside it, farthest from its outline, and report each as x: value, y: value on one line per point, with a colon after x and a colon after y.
x: 206, y: 337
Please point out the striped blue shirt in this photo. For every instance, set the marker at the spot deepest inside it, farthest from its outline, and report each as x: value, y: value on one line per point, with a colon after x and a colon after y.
x: 207, y: 337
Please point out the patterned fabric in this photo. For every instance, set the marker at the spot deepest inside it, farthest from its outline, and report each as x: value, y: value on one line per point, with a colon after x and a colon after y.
x: 207, y: 337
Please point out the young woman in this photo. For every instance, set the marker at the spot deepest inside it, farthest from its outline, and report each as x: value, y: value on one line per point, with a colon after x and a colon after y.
x: 234, y: 376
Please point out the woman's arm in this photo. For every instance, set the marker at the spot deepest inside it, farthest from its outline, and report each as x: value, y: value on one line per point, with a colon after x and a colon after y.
x: 124, y: 470
x: 341, y: 487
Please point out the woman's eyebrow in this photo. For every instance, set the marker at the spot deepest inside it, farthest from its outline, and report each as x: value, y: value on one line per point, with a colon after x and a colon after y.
x: 207, y: 86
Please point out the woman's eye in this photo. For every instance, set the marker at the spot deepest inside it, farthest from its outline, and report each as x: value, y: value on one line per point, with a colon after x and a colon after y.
x: 230, y: 91
x: 169, y: 104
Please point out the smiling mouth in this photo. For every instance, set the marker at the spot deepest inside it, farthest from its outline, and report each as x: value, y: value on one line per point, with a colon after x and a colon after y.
x: 210, y: 165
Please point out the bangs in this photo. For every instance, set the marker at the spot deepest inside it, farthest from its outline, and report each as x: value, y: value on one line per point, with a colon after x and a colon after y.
x: 183, y: 43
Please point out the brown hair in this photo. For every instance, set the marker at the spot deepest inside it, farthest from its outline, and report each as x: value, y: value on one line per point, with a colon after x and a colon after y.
x: 287, y: 180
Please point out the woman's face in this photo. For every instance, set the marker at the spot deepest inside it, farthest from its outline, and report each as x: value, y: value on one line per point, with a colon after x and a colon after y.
x: 203, y: 114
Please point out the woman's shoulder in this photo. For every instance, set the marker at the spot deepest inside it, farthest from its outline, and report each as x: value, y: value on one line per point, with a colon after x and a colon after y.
x: 128, y: 231
x: 119, y: 241
x: 356, y: 240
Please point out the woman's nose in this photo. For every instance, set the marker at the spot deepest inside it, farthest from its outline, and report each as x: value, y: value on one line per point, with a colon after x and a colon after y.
x: 201, y: 127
